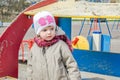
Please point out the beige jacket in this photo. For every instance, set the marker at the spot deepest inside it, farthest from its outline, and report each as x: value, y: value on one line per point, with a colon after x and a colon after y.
x: 52, y: 63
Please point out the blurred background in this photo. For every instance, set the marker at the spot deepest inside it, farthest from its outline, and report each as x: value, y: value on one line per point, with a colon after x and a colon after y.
x: 9, y: 9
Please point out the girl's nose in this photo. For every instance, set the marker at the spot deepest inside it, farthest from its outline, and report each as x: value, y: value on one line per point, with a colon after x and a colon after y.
x: 49, y: 31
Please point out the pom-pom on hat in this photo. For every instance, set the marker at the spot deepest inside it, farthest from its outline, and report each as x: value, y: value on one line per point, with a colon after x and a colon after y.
x: 43, y: 19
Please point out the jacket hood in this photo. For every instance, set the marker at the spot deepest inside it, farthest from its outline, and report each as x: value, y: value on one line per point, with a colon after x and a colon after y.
x: 59, y: 31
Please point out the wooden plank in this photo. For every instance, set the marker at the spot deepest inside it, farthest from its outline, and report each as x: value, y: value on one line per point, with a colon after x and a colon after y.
x: 7, y: 78
x: 95, y: 76
x: 105, y: 63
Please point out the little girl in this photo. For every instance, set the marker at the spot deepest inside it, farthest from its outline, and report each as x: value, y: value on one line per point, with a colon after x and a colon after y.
x: 51, y: 57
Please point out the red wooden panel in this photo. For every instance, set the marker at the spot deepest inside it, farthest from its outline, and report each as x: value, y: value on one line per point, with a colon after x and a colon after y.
x: 11, y: 39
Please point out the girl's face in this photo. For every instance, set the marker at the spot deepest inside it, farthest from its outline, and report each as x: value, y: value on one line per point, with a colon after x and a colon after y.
x: 47, y: 33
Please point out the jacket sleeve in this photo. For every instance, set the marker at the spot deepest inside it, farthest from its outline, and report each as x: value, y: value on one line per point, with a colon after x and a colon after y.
x: 70, y: 63
x: 29, y: 66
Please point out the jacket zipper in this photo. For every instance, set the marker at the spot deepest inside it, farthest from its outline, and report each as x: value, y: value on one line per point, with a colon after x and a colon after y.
x: 44, y: 51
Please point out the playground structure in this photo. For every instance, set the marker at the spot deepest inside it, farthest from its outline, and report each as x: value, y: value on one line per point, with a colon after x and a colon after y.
x: 12, y: 37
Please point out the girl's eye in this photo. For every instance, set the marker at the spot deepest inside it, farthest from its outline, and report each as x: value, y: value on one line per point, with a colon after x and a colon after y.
x: 52, y: 29
x: 45, y: 30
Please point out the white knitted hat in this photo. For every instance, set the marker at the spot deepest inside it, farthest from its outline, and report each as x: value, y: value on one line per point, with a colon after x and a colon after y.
x: 43, y: 19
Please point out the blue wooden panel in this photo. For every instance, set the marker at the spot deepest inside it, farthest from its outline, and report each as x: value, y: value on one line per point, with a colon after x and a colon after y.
x: 65, y: 24
x: 90, y: 40
x: 105, y: 43
x: 98, y: 62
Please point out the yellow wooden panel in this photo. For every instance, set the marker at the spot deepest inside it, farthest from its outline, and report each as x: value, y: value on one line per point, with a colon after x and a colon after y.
x: 80, y: 42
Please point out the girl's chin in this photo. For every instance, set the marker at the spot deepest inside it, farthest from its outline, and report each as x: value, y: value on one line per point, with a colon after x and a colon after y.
x: 48, y: 39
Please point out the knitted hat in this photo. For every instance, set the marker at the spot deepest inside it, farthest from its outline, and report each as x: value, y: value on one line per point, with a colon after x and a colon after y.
x: 42, y: 20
